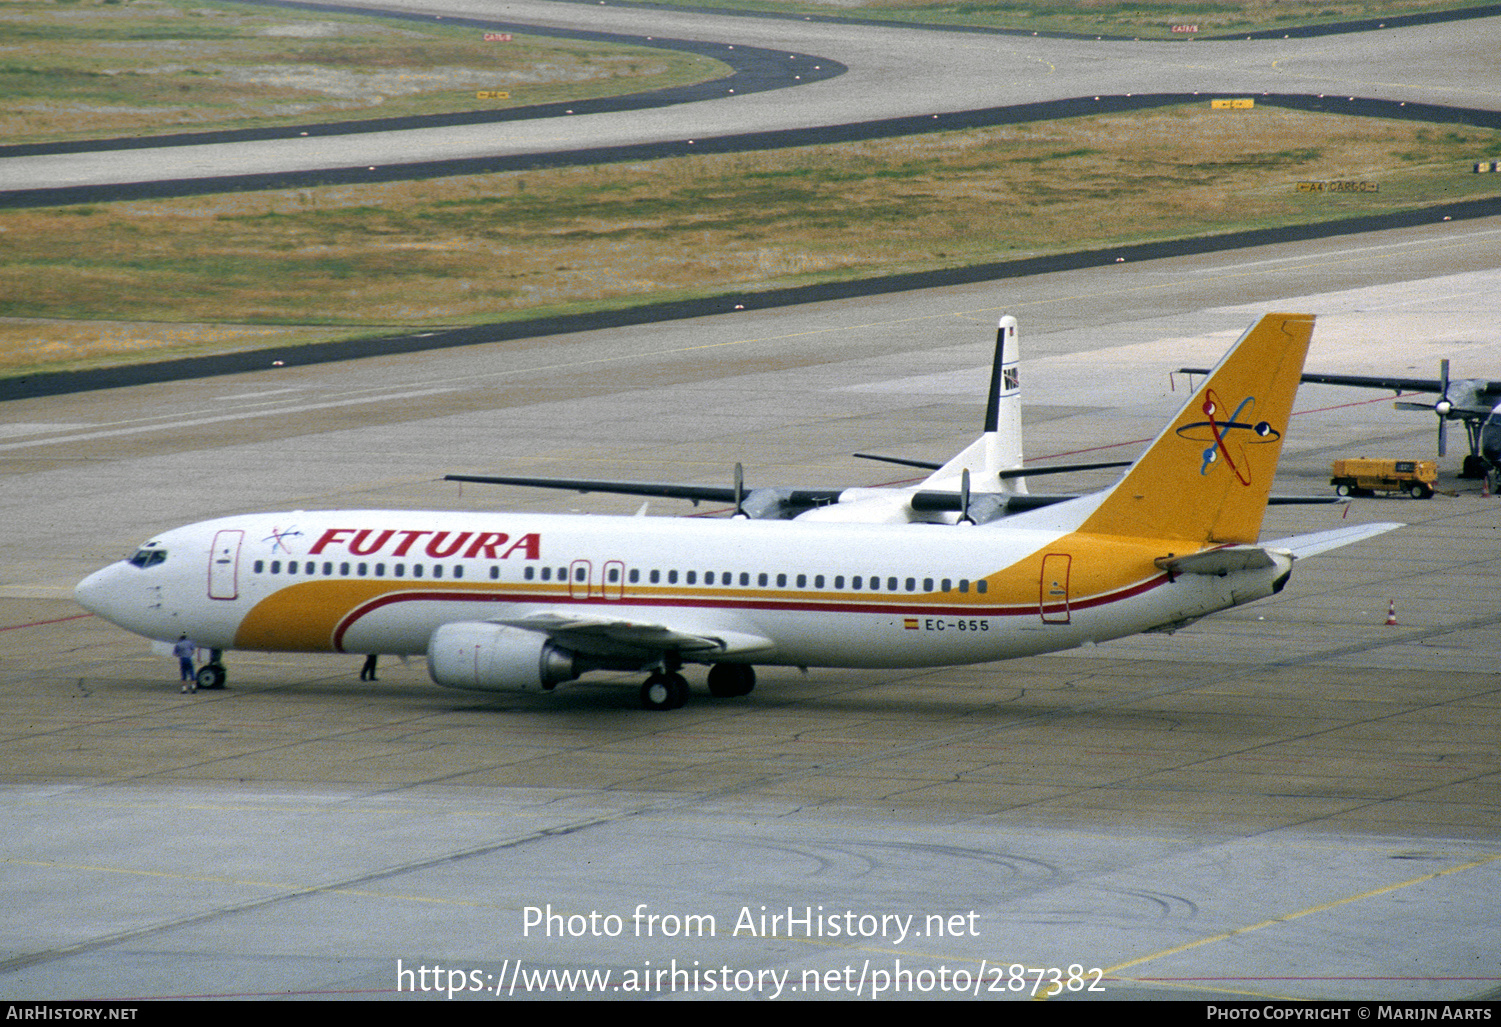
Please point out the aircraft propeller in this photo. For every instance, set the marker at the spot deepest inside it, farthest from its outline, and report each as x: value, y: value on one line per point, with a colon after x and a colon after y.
x: 1442, y: 407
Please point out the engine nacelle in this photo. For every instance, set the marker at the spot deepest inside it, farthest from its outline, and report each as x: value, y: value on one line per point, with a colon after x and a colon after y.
x: 496, y: 658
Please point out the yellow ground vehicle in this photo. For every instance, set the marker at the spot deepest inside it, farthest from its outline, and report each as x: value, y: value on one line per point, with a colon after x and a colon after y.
x: 1363, y: 476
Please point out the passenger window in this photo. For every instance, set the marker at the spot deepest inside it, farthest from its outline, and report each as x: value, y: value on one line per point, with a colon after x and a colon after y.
x: 260, y: 565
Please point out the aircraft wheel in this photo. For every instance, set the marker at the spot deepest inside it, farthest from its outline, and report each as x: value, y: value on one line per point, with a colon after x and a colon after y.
x: 664, y: 692
x: 728, y: 680
x: 211, y: 675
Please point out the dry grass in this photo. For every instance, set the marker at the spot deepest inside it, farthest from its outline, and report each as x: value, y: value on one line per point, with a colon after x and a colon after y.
x: 1150, y: 20
x: 487, y: 248
x: 77, y: 69
x: 61, y: 345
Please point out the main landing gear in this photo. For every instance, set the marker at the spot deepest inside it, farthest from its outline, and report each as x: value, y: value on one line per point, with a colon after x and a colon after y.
x: 666, y: 689
x: 211, y: 675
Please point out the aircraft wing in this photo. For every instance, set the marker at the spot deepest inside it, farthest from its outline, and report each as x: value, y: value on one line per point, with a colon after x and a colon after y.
x: 1482, y: 387
x: 668, y: 490
x: 1357, y: 381
x: 601, y: 636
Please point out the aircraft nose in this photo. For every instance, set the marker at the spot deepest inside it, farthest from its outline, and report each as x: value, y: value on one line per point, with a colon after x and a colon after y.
x: 99, y: 593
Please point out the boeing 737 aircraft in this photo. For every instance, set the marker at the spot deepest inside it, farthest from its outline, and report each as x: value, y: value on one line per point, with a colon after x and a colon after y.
x: 521, y: 602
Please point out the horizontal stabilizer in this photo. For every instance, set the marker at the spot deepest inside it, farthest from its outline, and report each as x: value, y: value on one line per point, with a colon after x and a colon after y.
x: 1222, y: 561
x: 1323, y: 541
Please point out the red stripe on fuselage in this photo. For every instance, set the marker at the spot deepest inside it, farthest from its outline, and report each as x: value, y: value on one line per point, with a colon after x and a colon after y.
x: 801, y: 605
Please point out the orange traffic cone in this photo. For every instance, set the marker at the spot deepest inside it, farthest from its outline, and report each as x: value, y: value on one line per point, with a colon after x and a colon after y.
x: 1391, y: 614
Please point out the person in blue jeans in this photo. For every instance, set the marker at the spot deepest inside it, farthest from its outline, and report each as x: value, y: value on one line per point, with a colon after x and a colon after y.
x: 184, y: 650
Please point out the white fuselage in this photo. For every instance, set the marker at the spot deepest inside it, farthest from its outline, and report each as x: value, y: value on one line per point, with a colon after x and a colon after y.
x: 848, y: 595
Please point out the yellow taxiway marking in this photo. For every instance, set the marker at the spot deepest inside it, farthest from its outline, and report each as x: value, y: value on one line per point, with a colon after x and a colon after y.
x: 1289, y: 917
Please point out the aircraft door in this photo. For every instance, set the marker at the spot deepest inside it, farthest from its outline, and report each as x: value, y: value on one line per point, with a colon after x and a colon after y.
x: 1052, y: 598
x: 579, y: 573
x: 224, y: 565
x: 614, y: 580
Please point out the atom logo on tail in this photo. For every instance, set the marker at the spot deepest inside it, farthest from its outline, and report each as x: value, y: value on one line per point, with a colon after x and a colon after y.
x: 1225, y: 438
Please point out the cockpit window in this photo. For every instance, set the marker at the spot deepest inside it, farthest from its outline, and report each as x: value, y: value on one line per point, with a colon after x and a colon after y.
x: 148, y: 557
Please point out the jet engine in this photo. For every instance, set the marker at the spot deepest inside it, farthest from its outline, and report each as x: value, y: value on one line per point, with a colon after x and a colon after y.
x: 497, y: 658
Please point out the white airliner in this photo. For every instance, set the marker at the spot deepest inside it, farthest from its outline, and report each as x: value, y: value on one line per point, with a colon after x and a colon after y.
x: 520, y: 602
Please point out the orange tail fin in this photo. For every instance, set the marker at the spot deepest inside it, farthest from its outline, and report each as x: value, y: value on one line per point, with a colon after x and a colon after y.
x: 1207, y: 477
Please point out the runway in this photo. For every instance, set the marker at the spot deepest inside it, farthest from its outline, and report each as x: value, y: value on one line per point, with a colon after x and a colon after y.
x: 1248, y: 808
